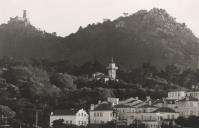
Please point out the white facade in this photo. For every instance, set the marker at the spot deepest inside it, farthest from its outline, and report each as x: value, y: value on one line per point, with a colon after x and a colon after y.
x: 124, y: 111
x: 79, y: 118
x: 193, y: 94
x: 152, y: 119
x: 188, y: 107
x: 101, y: 117
x: 176, y: 95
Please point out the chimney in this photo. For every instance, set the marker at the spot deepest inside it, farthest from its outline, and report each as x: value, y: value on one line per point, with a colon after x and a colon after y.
x: 99, y: 101
x: 137, y: 98
x: 92, y: 107
x: 150, y: 103
x: 51, y: 113
x: 148, y: 98
x: 164, y: 102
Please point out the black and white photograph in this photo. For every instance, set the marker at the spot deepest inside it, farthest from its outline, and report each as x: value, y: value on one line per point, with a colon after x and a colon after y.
x: 99, y: 64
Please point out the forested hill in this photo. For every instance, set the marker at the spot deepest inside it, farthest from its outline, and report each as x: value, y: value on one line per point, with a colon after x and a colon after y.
x: 145, y: 36
x: 21, y: 40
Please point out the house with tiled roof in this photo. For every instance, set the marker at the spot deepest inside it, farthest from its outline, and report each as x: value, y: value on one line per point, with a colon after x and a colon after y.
x: 122, y: 111
x: 177, y: 94
x: 188, y: 106
x: 70, y: 116
x: 193, y: 93
x: 146, y: 108
x: 159, y: 102
x: 102, y: 113
x: 155, y: 118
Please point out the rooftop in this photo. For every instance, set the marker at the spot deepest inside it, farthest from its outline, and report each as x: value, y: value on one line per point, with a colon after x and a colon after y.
x: 179, y: 90
x: 122, y: 106
x: 103, y: 107
x: 164, y: 109
x: 157, y: 101
x: 188, y: 98
x: 148, y: 106
x: 65, y: 112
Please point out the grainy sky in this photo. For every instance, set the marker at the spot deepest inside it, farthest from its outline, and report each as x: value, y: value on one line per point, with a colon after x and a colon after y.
x: 65, y: 16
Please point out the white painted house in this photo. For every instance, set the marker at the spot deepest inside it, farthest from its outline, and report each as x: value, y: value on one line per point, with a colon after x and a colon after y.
x: 176, y: 94
x: 123, y: 110
x: 188, y: 106
x: 153, y: 119
x: 102, y: 113
x: 193, y: 93
x: 79, y: 117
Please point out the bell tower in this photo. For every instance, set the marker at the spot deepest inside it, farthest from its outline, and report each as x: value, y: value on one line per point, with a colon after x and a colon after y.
x: 112, y: 68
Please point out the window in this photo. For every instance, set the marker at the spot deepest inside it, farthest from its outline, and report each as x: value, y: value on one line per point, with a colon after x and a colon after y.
x: 191, y: 112
x: 101, y: 114
x: 71, y: 122
x: 191, y: 104
x: 150, y: 117
x: 85, y: 115
x: 79, y: 122
x: 168, y: 116
x: 141, y: 117
x: 66, y: 122
x: 173, y: 116
x: 94, y: 114
x: 82, y: 114
x: 97, y: 114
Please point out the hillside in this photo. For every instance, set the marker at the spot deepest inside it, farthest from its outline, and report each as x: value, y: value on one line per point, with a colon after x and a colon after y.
x: 21, y: 40
x: 145, y: 36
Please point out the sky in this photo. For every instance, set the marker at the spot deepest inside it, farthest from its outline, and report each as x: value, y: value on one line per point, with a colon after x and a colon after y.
x: 66, y: 16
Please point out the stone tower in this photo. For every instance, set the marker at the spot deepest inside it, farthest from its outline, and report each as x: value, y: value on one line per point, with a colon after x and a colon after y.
x: 25, y: 15
x: 112, y: 68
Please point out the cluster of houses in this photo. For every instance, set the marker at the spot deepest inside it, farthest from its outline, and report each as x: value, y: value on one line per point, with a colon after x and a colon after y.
x: 150, y: 112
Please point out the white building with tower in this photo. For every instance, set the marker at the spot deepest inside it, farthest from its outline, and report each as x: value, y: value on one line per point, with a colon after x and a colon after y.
x: 112, y: 73
x: 112, y: 68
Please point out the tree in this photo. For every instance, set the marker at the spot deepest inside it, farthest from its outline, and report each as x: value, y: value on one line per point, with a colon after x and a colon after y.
x: 19, y: 74
x: 58, y: 123
x: 63, y: 81
x: 192, y: 121
x: 172, y: 73
x: 6, y: 111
